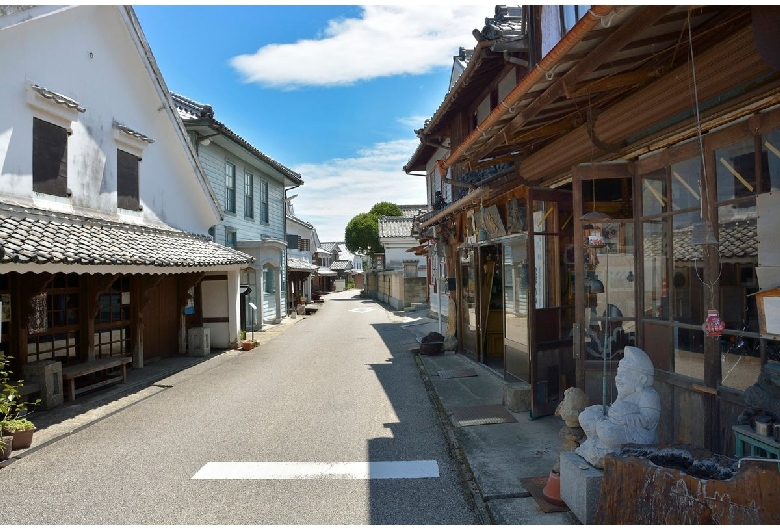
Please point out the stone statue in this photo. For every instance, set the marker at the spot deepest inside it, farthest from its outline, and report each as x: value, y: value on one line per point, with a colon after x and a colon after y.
x: 763, y: 397
x: 574, y: 402
x: 632, y: 418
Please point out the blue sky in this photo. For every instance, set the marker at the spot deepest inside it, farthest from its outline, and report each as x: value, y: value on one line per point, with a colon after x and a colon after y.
x: 332, y: 92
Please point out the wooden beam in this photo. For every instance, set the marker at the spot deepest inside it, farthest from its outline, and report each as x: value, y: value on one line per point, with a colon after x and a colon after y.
x: 643, y: 19
x: 612, y: 82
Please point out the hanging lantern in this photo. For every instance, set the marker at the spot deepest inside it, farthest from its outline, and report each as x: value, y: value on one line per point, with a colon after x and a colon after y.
x: 713, y: 326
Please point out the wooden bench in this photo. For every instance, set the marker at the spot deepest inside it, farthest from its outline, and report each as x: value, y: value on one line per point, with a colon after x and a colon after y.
x: 71, y: 372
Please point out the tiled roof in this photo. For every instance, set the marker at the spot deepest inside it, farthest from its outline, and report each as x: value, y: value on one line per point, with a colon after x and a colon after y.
x: 192, y: 113
x: 35, y: 236
x: 329, y: 246
x: 736, y: 239
x: 342, y: 265
x: 413, y: 209
x: 300, y: 265
x: 395, y: 226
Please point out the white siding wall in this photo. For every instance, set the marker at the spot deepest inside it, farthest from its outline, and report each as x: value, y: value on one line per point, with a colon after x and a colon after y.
x: 213, y: 159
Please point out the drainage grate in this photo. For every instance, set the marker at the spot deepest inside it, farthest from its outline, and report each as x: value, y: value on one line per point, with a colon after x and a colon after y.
x: 481, y: 415
x: 460, y: 372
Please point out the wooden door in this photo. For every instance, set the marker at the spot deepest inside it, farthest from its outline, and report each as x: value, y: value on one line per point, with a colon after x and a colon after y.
x: 161, y: 320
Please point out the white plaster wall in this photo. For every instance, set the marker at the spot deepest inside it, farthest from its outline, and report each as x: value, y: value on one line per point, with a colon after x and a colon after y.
x: 483, y: 109
x: 216, y: 305
x: 507, y: 84
x: 395, y: 253
x: 87, y: 54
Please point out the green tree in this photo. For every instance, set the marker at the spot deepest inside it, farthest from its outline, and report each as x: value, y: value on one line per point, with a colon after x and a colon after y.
x: 362, y: 231
x: 386, y: 208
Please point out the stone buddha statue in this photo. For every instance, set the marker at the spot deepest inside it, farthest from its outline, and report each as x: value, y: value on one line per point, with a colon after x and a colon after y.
x: 632, y: 418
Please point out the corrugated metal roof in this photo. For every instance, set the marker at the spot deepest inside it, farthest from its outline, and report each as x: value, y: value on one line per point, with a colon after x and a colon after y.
x: 35, y: 236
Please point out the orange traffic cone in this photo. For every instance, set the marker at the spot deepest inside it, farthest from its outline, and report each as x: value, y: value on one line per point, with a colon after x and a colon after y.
x: 552, y: 490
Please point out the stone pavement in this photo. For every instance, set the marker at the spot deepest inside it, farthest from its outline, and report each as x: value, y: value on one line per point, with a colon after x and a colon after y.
x: 495, y: 458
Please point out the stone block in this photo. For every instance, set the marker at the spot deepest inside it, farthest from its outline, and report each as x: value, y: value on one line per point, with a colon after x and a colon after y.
x: 198, y: 342
x: 517, y: 396
x: 48, y: 376
x: 580, y: 486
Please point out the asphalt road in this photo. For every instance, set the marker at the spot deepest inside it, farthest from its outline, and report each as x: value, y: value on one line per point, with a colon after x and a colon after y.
x: 340, y: 386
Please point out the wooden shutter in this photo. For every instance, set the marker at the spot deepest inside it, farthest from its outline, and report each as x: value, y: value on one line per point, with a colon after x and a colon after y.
x: 50, y: 158
x: 292, y: 241
x: 127, y: 181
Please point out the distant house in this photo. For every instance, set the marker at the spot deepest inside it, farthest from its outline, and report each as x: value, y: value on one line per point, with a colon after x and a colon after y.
x: 104, y: 207
x: 395, y: 235
x: 302, y: 242
x: 251, y: 189
x: 347, y: 265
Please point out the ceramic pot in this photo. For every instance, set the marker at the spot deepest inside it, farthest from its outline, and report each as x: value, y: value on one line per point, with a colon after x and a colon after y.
x: 8, y: 444
x: 22, y: 439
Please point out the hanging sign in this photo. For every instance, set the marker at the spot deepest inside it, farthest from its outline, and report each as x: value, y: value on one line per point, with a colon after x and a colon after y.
x: 490, y: 221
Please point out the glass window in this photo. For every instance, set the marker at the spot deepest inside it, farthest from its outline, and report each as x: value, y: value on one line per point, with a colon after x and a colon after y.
x: 230, y: 187
x: 249, y: 195
x: 268, y: 280
x: 736, y: 170
x: 654, y: 199
x: 770, y: 145
x: 230, y: 238
x: 264, y: 201
x: 686, y: 192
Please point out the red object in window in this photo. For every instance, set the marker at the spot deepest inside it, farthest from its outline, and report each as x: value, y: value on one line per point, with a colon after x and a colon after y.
x: 713, y: 326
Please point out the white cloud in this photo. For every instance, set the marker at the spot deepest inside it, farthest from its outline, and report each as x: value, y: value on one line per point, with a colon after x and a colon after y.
x: 337, y: 190
x: 413, y: 122
x: 385, y: 41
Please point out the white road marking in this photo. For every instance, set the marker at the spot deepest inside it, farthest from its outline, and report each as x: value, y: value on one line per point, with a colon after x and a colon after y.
x: 362, y: 309
x: 317, y: 470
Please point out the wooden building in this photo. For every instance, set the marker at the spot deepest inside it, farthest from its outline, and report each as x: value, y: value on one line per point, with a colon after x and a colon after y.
x: 610, y: 167
x: 104, y: 209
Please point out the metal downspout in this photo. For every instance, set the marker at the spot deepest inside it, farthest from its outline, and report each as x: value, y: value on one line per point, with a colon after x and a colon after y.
x: 548, y: 62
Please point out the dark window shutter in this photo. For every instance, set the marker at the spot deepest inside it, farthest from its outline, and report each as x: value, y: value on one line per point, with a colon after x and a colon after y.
x: 292, y: 241
x: 127, y: 181
x: 50, y: 158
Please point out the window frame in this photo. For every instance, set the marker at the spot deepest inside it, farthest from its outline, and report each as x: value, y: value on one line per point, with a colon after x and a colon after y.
x: 49, y: 149
x: 230, y: 187
x: 264, y: 191
x: 231, y: 237
x: 128, y: 179
x: 249, y: 195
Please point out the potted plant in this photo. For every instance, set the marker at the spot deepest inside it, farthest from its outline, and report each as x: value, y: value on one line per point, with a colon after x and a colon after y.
x: 245, y: 343
x: 21, y: 430
x: 13, y: 409
x: 6, y: 446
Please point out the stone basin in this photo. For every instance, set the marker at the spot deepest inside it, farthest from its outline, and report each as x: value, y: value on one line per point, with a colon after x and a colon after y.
x: 683, y: 484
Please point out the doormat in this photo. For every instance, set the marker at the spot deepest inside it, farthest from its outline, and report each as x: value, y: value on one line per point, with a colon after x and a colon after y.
x: 535, y: 486
x: 481, y: 415
x: 460, y: 372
